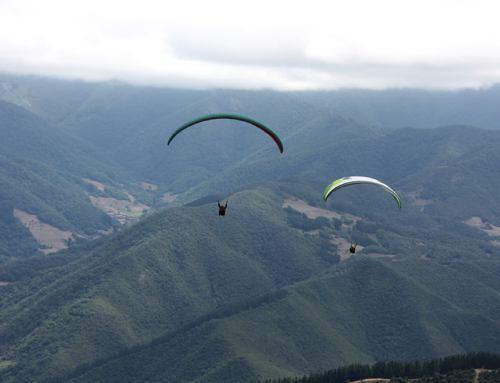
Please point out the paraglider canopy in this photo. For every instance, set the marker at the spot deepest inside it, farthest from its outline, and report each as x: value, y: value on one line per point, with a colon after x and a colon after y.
x: 229, y: 116
x: 348, y: 181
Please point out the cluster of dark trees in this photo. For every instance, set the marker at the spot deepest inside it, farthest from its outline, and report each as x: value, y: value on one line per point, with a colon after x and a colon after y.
x: 455, y: 376
x: 408, y: 370
x: 489, y: 377
x: 301, y: 221
x: 16, y: 240
x: 23, y: 268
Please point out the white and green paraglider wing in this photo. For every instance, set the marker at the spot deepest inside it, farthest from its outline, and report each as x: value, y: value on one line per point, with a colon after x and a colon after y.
x: 348, y: 181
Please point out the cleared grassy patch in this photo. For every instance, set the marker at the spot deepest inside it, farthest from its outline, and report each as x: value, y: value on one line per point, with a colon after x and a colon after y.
x: 52, y: 237
x: 310, y: 211
x: 488, y: 228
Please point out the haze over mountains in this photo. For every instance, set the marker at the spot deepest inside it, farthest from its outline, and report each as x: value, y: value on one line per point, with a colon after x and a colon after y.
x: 81, y: 158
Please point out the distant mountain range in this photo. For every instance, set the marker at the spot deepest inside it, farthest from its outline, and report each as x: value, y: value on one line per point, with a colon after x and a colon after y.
x: 413, y: 107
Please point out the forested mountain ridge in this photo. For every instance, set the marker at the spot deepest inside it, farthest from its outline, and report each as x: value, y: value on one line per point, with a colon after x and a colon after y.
x: 450, y: 173
x: 362, y: 309
x: 133, y: 124
x: 418, y: 108
x: 58, y: 100
x: 183, y: 262
x: 166, y: 270
x: 45, y: 172
x: 41, y: 174
x: 430, y: 270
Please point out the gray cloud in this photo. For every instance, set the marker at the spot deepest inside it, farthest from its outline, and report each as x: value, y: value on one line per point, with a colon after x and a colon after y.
x: 436, y: 44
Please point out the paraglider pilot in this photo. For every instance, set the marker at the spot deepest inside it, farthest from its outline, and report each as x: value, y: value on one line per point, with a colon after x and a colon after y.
x: 222, y: 208
x: 352, y: 249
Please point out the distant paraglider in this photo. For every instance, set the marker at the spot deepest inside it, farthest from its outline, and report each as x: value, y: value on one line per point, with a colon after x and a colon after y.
x: 348, y: 181
x: 352, y: 249
x: 222, y: 208
x: 229, y: 116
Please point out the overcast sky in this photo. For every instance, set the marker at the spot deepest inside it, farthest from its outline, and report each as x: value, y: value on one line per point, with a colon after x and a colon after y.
x: 283, y: 45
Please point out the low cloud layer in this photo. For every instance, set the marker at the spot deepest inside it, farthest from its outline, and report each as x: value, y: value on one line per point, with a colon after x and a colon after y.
x: 260, y: 44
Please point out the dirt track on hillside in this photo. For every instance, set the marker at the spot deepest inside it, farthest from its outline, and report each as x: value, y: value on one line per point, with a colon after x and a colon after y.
x: 372, y: 380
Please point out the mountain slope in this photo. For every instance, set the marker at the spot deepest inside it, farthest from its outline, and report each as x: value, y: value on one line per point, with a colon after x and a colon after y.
x: 184, y: 262
x: 435, y: 293
x: 413, y: 107
x: 360, y: 312
x: 41, y: 173
x: 168, y: 269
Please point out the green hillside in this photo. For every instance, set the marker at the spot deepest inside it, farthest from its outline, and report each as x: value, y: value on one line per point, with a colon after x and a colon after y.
x: 39, y: 169
x: 31, y: 141
x: 362, y: 311
x: 180, y: 264
x: 44, y: 171
x: 168, y: 269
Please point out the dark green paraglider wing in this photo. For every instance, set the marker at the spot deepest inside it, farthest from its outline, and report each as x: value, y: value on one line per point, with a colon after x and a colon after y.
x: 229, y: 116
